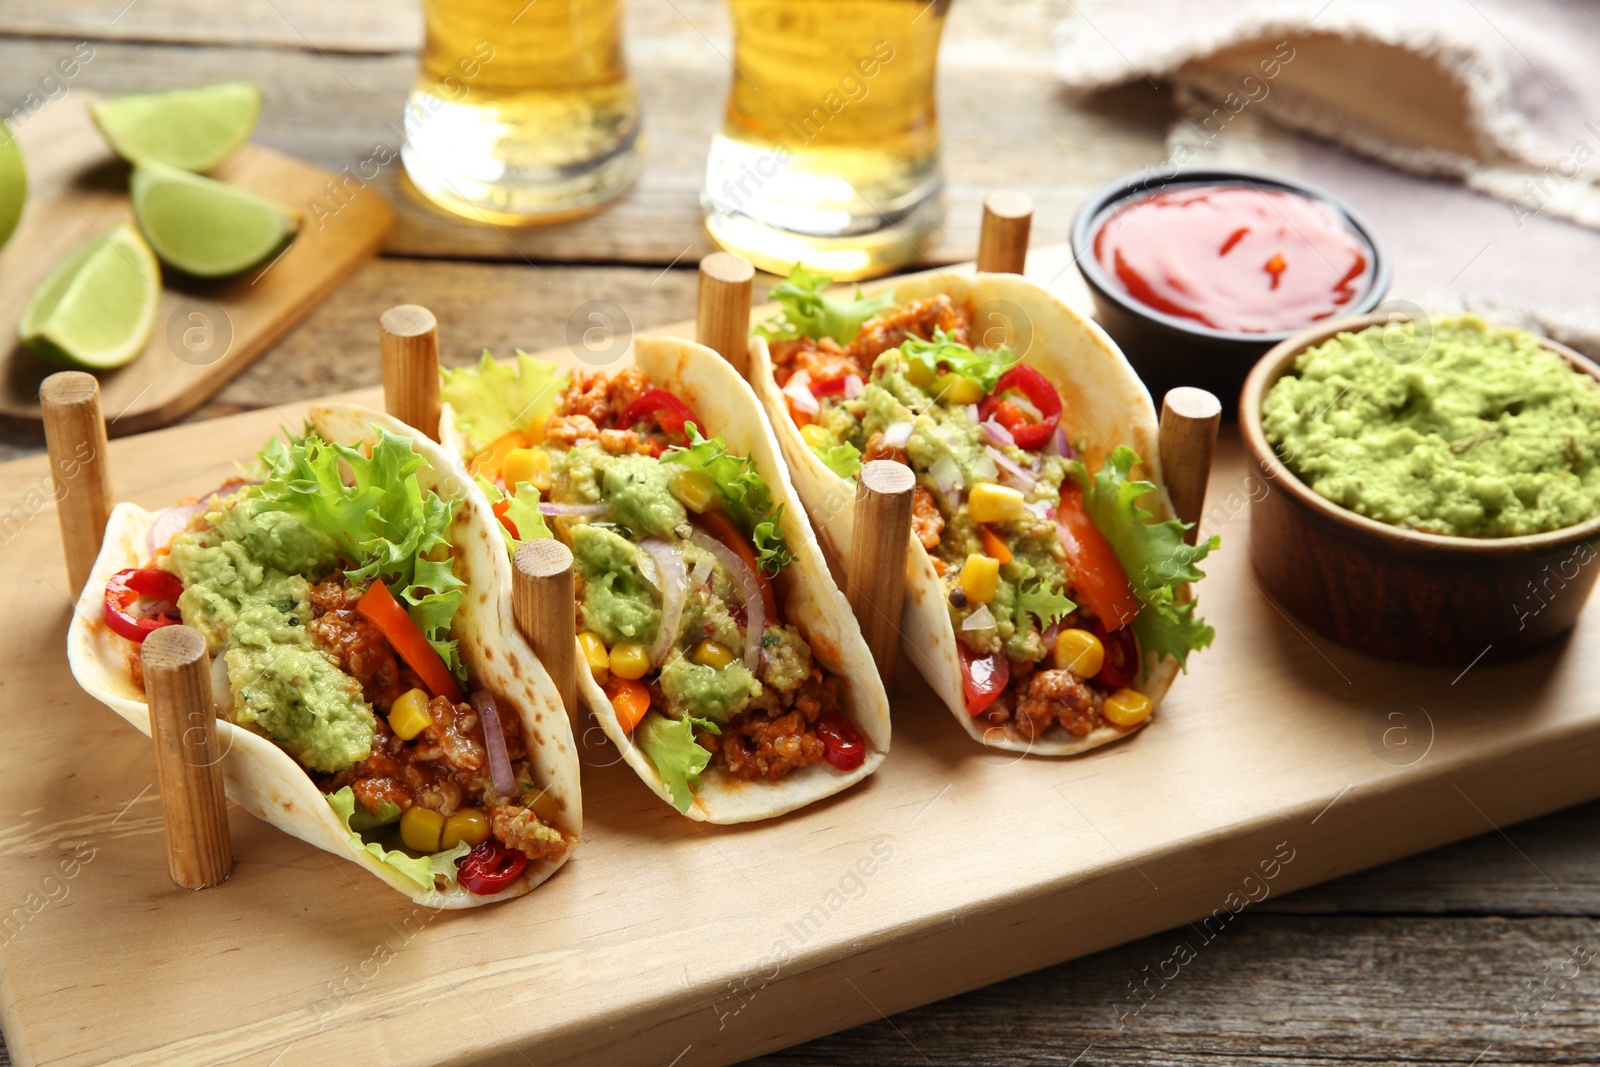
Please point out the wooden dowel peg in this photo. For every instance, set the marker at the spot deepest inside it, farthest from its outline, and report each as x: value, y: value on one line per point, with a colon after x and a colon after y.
x: 183, y: 728
x: 75, y: 434
x: 722, y: 316
x: 542, y: 600
x: 878, y: 548
x: 1189, y: 420
x: 1003, y: 240
x: 409, y: 341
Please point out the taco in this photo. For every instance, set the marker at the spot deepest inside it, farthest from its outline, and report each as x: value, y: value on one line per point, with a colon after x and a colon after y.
x: 374, y: 696
x: 714, y: 649
x: 1046, y: 594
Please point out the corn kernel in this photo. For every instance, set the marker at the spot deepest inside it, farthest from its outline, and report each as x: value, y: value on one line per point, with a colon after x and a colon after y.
x: 1080, y: 652
x: 980, y: 576
x: 695, y: 491
x: 988, y: 502
x: 952, y: 388
x: 709, y: 653
x: 1127, y: 707
x: 467, y: 824
x: 594, y: 650
x: 408, y: 715
x: 420, y: 829
x: 531, y: 465
x: 814, y: 435
x: 920, y: 375
x: 630, y: 660
x: 542, y: 804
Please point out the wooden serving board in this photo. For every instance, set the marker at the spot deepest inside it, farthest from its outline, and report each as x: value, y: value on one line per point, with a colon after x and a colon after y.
x: 206, y: 331
x: 1279, y: 761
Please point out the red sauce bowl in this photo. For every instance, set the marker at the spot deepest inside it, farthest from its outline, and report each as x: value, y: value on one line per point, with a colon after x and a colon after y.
x: 1181, y: 309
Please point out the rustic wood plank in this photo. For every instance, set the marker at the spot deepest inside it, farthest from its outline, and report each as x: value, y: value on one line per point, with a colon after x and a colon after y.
x: 337, y: 109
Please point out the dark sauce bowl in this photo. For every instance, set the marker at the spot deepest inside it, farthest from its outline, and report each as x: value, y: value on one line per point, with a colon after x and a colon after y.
x: 1169, y: 351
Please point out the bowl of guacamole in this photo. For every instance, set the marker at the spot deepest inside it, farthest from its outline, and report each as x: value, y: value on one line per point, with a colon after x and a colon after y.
x: 1429, y: 486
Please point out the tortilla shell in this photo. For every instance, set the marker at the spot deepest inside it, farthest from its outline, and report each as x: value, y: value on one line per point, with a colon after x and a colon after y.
x: 811, y: 601
x: 264, y: 780
x: 1102, y: 400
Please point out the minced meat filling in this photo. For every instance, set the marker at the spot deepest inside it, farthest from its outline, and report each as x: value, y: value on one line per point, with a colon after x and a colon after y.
x: 445, y: 767
x: 775, y: 734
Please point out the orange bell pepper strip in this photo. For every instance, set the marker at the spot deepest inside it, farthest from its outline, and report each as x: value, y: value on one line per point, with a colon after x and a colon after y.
x: 379, y: 607
x: 723, y: 529
x: 493, y: 455
x: 993, y: 546
x: 1097, y: 575
x: 630, y: 700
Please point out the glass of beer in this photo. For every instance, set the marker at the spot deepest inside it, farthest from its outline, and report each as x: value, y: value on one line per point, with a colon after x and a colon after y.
x: 523, y: 110
x: 829, y: 154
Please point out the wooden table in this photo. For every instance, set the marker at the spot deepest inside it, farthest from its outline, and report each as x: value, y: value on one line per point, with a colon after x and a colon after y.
x: 1459, y: 956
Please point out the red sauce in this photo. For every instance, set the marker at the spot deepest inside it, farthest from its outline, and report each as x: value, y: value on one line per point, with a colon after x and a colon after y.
x: 1234, y: 257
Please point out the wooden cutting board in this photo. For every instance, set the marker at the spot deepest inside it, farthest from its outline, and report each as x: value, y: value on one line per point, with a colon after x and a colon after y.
x: 206, y: 331
x: 1279, y: 761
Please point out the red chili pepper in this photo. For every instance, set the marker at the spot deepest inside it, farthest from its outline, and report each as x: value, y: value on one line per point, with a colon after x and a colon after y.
x: 842, y: 746
x: 983, y: 678
x: 666, y: 409
x: 1122, y: 657
x: 490, y: 868
x: 831, y: 387
x: 1040, y: 393
x: 122, y: 611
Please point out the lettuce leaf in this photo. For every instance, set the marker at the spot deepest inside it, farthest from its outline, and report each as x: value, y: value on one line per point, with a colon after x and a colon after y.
x: 1152, y: 553
x: 1045, y: 604
x: 982, y: 366
x: 669, y: 744
x: 745, y: 494
x: 494, y: 398
x: 423, y: 870
x: 384, y: 521
x: 523, y: 511
x: 842, y: 459
x: 808, y: 313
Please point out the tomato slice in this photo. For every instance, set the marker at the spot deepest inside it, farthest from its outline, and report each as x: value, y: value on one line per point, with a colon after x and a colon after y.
x: 1121, y: 664
x: 723, y: 529
x: 983, y: 678
x: 842, y: 746
x: 1098, y: 579
x: 831, y: 387
x: 123, y: 612
x: 490, y: 868
x: 669, y: 412
x: 1040, y: 393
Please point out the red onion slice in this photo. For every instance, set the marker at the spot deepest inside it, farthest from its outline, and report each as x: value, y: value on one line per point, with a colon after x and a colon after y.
x: 799, y: 393
x: 749, y: 592
x: 1011, y: 472
x: 982, y: 619
x: 584, y: 510
x: 946, y: 475
x: 897, y: 434
x: 973, y: 415
x: 997, y: 433
x: 494, y: 743
x: 172, y: 521
x: 853, y: 387
x: 698, y: 576
x: 669, y: 566
x: 1059, y: 445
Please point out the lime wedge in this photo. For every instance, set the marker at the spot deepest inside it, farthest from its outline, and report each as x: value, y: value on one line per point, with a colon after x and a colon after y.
x: 204, y: 227
x: 98, y: 309
x: 192, y: 129
x: 13, y: 184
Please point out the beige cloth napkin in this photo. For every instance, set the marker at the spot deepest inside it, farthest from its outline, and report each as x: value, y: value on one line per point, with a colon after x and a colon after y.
x: 1468, y: 131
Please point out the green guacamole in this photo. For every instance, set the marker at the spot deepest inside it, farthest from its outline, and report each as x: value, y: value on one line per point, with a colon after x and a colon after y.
x: 1485, y: 434
x: 245, y: 588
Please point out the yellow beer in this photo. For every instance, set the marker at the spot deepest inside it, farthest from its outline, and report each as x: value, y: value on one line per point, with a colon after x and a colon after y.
x: 522, y: 110
x: 829, y: 153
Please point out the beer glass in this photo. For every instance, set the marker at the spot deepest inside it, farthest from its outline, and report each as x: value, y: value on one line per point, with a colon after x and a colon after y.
x: 829, y: 153
x: 523, y: 110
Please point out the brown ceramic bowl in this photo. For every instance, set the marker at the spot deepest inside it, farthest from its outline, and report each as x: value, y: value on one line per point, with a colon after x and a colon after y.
x: 1399, y: 593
